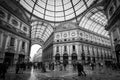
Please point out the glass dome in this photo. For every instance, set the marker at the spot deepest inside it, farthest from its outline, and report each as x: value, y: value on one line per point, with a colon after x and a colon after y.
x: 56, y: 10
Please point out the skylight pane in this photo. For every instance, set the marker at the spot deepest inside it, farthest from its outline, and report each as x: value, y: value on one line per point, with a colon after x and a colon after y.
x: 59, y: 14
x: 43, y: 27
x: 48, y: 31
x: 50, y: 13
x: 49, y: 18
x: 88, y: 24
x: 41, y: 10
x: 66, y: 1
x: 70, y: 16
x: 25, y: 5
x: 60, y: 8
x: 76, y: 1
x: 93, y: 26
x: 89, y: 2
x: 68, y: 12
x: 83, y: 8
x: 38, y: 14
x: 67, y: 6
x: 97, y: 27
x: 58, y: 2
x: 60, y: 19
x: 100, y: 30
x: 51, y: 8
x: 82, y: 21
x: 41, y: 3
x: 50, y: 2
x: 79, y: 5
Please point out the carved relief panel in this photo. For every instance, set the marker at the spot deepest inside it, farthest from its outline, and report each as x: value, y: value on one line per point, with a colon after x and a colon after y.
x: 14, y: 22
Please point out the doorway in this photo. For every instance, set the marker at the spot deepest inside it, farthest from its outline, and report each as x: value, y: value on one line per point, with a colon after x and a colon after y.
x: 74, y: 56
x: 9, y: 58
x: 21, y: 58
x: 57, y: 57
x: 65, y: 58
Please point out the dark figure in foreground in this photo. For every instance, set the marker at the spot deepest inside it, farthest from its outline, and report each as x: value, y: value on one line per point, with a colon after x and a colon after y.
x: 80, y: 69
x: 65, y: 64
x: 92, y: 66
x: 3, y: 71
x: 17, y: 67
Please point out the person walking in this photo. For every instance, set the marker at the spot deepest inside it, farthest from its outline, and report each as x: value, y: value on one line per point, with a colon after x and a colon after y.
x: 92, y: 66
x: 80, y: 69
x: 65, y: 64
x: 17, y: 67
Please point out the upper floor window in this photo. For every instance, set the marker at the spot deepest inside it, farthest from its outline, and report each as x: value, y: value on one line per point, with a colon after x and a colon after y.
x: 57, y: 49
x: 73, y: 47
x: 12, y: 41
x: 2, y: 14
x: 24, y: 28
x: 115, y: 2
x: 23, y: 45
x: 65, y: 48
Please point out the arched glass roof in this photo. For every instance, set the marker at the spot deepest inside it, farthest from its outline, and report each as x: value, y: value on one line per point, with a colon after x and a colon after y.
x: 41, y: 30
x: 94, y: 20
x: 56, y: 10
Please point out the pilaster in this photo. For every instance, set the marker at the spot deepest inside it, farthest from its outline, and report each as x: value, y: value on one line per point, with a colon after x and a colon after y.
x: 3, y: 47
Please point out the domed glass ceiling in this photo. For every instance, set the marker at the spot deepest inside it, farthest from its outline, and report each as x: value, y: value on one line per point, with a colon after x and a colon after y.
x: 56, y: 10
x: 63, y: 10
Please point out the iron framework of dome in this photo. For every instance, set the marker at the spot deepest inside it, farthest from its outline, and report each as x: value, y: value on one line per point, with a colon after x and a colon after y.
x: 56, y: 10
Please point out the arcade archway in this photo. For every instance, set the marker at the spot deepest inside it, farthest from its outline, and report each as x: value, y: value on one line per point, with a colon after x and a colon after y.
x: 57, y: 57
x: 74, y: 56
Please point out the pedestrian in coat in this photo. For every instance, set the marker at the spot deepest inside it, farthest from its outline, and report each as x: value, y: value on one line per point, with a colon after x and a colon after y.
x: 80, y: 69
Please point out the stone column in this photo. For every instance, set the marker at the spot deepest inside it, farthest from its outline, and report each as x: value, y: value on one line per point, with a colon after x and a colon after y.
x: 0, y: 39
x: 17, y: 51
x: 3, y: 47
x: 69, y: 54
x: 69, y: 59
x: 0, y: 46
x: 61, y: 54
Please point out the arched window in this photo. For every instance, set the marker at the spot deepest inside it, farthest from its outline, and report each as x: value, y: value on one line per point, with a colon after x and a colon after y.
x: 12, y: 41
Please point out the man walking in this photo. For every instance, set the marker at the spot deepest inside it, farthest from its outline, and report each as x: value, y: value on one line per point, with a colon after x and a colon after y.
x: 80, y: 69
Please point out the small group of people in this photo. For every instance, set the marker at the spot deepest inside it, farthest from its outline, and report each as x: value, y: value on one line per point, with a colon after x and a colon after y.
x: 20, y: 67
x: 62, y: 65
